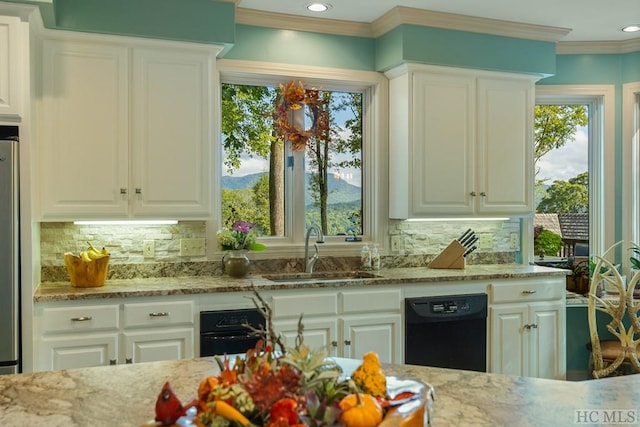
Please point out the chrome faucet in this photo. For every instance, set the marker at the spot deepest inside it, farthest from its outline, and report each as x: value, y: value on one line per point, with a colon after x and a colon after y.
x: 310, y: 261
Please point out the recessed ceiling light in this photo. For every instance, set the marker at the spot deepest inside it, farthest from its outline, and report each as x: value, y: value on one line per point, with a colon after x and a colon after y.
x: 318, y: 7
x: 631, y: 28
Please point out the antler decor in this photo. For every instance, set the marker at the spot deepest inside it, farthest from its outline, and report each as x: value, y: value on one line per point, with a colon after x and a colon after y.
x: 606, y: 272
x: 292, y: 97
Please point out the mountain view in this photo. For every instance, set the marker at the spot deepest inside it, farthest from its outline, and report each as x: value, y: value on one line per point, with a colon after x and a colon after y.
x: 340, y: 191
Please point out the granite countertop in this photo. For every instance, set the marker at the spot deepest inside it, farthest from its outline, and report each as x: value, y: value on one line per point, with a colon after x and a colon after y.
x: 124, y: 395
x: 118, y: 288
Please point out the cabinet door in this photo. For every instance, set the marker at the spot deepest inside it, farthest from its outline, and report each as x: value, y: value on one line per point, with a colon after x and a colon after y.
x: 505, y: 145
x: 381, y: 333
x: 172, y: 133
x: 84, y: 130
x: 319, y: 334
x: 10, y: 66
x: 76, y: 351
x: 443, y: 167
x: 509, y: 346
x: 156, y: 345
x: 547, y: 340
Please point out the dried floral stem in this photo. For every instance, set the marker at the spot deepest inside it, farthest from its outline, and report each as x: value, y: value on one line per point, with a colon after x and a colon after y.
x: 269, y: 334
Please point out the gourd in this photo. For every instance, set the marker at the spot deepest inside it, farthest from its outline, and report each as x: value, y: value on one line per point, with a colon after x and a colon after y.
x: 360, y: 410
x: 369, y: 376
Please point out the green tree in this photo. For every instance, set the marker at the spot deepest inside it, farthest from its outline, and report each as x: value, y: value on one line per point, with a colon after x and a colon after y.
x: 321, y: 151
x: 248, y: 129
x: 567, y: 196
x: 555, y: 125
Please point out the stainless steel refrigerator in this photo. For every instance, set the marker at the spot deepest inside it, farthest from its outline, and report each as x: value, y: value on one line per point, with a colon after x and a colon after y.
x: 9, y: 254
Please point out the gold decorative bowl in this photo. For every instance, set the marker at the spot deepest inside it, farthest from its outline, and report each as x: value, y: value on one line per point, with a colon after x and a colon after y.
x: 83, y: 274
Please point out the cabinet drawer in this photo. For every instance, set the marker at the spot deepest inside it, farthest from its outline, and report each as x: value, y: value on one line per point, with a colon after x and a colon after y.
x: 158, y: 313
x: 89, y: 318
x: 538, y: 290
x: 370, y: 301
x: 309, y: 305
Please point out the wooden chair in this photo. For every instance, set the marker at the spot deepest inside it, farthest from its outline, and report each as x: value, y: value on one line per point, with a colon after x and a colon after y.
x: 614, y: 357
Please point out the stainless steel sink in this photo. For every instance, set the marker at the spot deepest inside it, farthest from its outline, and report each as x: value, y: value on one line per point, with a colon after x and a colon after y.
x: 319, y: 276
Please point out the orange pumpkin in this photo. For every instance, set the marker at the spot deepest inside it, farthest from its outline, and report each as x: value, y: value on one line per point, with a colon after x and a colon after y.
x: 360, y: 410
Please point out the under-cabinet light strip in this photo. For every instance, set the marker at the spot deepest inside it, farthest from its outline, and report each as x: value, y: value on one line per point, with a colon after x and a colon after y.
x: 454, y: 219
x: 129, y: 222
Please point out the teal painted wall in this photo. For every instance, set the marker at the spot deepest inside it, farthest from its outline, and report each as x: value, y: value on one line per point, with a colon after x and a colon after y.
x: 201, y: 21
x: 586, y: 69
x: 438, y: 46
x: 300, y: 47
x: 631, y: 67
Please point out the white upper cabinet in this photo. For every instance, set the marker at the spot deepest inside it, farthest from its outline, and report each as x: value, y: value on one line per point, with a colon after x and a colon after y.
x: 11, y: 68
x: 126, y: 130
x: 171, y: 132
x: 461, y: 143
x: 84, y: 122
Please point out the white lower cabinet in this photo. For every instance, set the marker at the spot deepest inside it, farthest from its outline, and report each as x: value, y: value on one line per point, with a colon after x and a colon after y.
x: 527, y: 330
x: 81, y: 350
x: 75, y: 334
x: 347, y: 323
x: 380, y: 333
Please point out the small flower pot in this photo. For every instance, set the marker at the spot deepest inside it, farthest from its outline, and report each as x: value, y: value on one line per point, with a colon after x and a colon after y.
x: 236, y: 264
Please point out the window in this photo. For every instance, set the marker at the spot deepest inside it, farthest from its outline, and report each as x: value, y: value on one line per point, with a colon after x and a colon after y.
x: 601, y: 166
x: 332, y: 182
x: 631, y: 164
x: 561, y: 180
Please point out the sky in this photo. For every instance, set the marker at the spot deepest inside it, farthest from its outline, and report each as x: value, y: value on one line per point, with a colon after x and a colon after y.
x: 566, y: 162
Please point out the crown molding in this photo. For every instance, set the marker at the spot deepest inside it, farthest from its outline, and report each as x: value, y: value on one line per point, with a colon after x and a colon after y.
x: 407, y: 15
x: 626, y: 46
x: 302, y: 23
x: 400, y: 15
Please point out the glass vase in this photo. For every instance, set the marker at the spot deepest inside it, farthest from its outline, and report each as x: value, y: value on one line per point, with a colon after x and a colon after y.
x: 236, y: 263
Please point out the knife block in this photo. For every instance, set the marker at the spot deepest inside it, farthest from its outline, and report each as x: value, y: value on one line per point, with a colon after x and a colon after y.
x: 451, y: 257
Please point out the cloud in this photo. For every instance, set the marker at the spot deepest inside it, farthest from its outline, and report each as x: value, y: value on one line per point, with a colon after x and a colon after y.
x: 566, y: 162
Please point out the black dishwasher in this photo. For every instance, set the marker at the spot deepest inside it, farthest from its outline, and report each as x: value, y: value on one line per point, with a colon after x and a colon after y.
x: 446, y: 331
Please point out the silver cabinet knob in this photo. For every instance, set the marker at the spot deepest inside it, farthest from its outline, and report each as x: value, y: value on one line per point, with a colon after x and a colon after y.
x: 472, y: 194
x: 138, y: 190
x: 334, y: 343
x: 81, y: 319
x: 529, y: 292
x: 483, y: 194
x: 347, y: 342
x: 123, y: 191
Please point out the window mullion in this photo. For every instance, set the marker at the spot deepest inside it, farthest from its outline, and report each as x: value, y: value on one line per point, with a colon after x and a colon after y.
x: 295, y: 206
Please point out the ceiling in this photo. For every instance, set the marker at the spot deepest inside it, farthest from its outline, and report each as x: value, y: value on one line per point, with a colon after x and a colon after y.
x: 588, y: 20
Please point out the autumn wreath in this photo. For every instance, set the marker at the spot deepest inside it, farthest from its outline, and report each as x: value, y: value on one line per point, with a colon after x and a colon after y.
x: 291, y: 97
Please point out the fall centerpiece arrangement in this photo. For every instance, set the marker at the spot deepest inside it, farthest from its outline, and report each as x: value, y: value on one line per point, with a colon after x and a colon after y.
x: 274, y: 386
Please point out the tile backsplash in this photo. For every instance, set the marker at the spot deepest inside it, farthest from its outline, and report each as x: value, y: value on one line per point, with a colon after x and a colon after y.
x: 419, y: 243
x: 123, y: 242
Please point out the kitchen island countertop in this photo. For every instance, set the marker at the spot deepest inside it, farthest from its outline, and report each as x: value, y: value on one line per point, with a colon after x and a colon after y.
x: 189, y: 285
x: 124, y: 395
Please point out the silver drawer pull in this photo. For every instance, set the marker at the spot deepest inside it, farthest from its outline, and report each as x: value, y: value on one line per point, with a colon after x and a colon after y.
x: 81, y: 319
x: 159, y: 314
x: 529, y: 292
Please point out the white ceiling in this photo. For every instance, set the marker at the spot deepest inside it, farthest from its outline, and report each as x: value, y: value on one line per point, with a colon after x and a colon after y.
x: 588, y: 20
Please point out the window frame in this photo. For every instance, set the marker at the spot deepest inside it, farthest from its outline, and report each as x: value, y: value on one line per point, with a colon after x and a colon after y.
x: 600, y: 99
x: 375, y: 135
x: 631, y: 165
